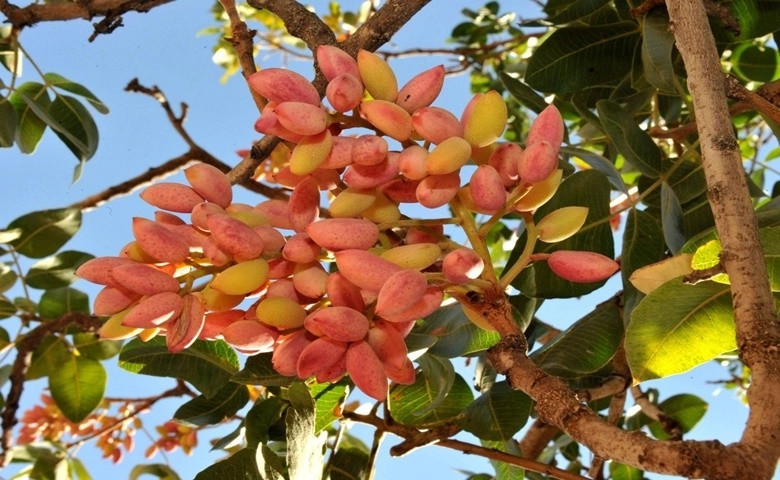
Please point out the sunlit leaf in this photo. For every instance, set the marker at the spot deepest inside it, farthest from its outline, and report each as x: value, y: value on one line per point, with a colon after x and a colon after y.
x: 159, y: 470
x: 455, y: 334
x: 497, y: 414
x: 56, y: 271
x: 58, y: 81
x: 505, y: 471
x: 678, y: 327
x: 75, y: 126
x: 207, y: 365
x: 7, y: 309
x: 258, y: 370
x: 8, y: 123
x: 304, y: 447
x: 405, y: 401
x: 648, y: 278
x: 59, y: 301
x: 77, y: 386
x: 45, y: 231
x: 328, y: 402
x: 8, y: 277
x: 202, y: 411
x: 92, y: 346
x: 573, y: 58
x: 31, y: 126
x: 685, y: 409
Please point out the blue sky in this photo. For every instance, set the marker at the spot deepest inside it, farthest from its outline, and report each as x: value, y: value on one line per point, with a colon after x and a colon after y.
x: 161, y: 48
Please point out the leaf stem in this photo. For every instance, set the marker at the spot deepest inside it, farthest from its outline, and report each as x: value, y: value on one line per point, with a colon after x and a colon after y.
x: 525, y: 256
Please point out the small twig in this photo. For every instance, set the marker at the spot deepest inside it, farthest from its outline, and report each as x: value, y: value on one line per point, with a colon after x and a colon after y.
x: 653, y: 411
x: 25, y: 347
x: 242, y: 39
x: 737, y: 91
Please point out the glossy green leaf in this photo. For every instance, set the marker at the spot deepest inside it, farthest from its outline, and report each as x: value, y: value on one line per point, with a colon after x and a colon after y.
x: 56, y: 271
x: 629, y: 139
x: 588, y: 189
x: 497, y: 414
x: 50, y: 467
x: 304, y: 446
x: 405, y: 401
x: 328, y: 399
x: 5, y: 342
x: 242, y: 465
x: 59, y: 301
x: 585, y: 347
x: 455, y: 334
x: 7, y: 309
x: 49, y: 353
x: 756, y: 17
x: 523, y: 93
x: 685, y: 409
x: 643, y: 245
x: 678, y: 327
x: 600, y: 164
x: 618, y: 471
x: 755, y: 63
x: 31, y: 126
x: 657, y: 46
x: 75, y: 126
x: 348, y: 464
x: 78, y: 471
x: 11, y: 234
x: 45, y: 231
x: 260, y: 419
x: 159, y: 470
x: 574, y: 58
x: 8, y: 277
x: 206, y: 365
x: 58, y: 81
x: 77, y: 386
x: 202, y: 411
x: 8, y: 123
x: 259, y: 370
x: 671, y: 219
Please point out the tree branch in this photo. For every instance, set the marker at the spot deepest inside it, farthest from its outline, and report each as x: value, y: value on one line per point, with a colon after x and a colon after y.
x: 758, y: 331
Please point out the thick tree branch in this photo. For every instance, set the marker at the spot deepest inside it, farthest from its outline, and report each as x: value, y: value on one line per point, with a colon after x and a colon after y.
x: 758, y: 331
x: 110, y: 10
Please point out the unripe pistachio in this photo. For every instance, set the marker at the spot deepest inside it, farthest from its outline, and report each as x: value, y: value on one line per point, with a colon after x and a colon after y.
x: 462, y: 265
x: 581, y: 267
x: 537, y: 162
x: 182, y: 331
x: 280, y: 85
x: 487, y: 189
x: 539, y: 193
x: 435, y: 124
x: 277, y: 213
x: 235, y: 237
x: 173, y: 197
x: 154, y: 310
x: 201, y: 212
x: 351, y: 202
x: 280, y: 312
x: 400, y: 292
x: 418, y: 256
x: 319, y: 357
x: 337, y: 234
x: 427, y: 234
x: 365, y: 369
x: 340, y: 155
x: 287, y: 350
x: 382, y: 210
x: 449, y: 156
x: 377, y: 76
x: 210, y: 183
x: 112, y: 300
x: 426, y: 305
x: 310, y: 279
x: 388, y: 118
x: 561, y: 224
x: 218, y: 301
x: 339, y: 323
x: 412, y: 161
x: 143, y: 279
x: 547, y: 127
x: 369, y: 150
x: 242, y: 278
x: 250, y: 337
x: 215, y: 322
x: 364, y: 269
x: 343, y: 293
x: 334, y: 61
x: 505, y: 159
x: 421, y: 90
x: 389, y: 346
x: 158, y: 241
x: 300, y: 248
x: 400, y: 190
x: 365, y: 177
x: 113, y: 329
x: 269, y: 124
x: 344, y: 92
x: 310, y: 152
x: 304, y: 204
x: 484, y: 119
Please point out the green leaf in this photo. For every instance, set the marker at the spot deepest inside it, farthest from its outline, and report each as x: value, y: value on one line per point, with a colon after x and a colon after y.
x: 505, y: 471
x: 574, y: 58
x: 59, y: 301
x: 58, y: 81
x: 328, y: 399
x: 7, y: 309
x: 258, y: 370
x: 348, y: 464
x: 585, y: 347
x: 78, y: 471
x: 600, y: 164
x: 8, y: 277
x: 202, y: 411
x: 159, y: 470
x: 77, y: 386
x: 523, y: 93
x: 263, y: 415
x: 75, y: 126
x: 618, y: 471
x: 304, y: 446
x: 405, y: 401
x: 678, y: 327
x: 657, y: 46
x: 31, y: 126
x: 575, y: 11
x: 588, y: 189
x: 671, y: 219
x: 8, y: 123
x: 497, y: 414
x: 50, y: 352
x: 756, y: 63
x: 685, y: 409
x: 9, y: 235
x: 456, y: 335
x: 56, y: 271
x: 45, y: 231
x: 643, y: 245
x: 92, y: 346
x: 242, y: 465
x: 205, y: 364
x: 632, y: 142
x: 756, y: 17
